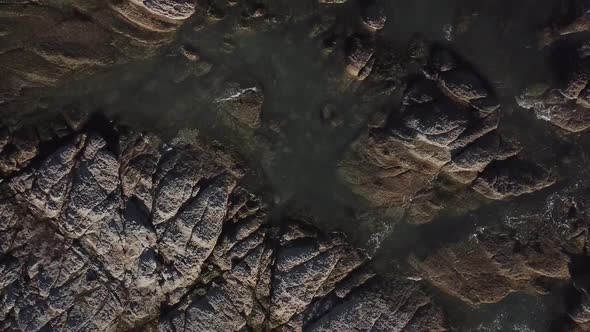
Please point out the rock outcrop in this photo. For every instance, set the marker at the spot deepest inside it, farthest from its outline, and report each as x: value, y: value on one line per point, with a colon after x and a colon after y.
x: 127, y: 231
x: 445, y: 128
x: 313, y: 165
x: 45, y: 43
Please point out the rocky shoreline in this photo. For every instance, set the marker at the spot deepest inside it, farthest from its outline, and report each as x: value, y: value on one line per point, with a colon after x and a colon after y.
x: 174, y: 165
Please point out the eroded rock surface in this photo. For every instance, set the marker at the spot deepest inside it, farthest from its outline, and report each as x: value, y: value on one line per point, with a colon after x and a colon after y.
x: 45, y: 43
x: 445, y: 128
x: 126, y: 231
x: 331, y: 165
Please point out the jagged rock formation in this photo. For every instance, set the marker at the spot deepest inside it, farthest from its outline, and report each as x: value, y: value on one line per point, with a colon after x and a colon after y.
x: 176, y: 165
x: 46, y: 42
x: 112, y: 233
x: 446, y: 128
x: 565, y: 103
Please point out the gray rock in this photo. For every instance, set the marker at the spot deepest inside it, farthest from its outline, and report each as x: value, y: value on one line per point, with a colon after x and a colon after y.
x: 373, y: 14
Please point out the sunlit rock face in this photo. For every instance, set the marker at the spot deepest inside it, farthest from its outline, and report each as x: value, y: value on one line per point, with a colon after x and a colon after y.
x: 446, y: 126
x: 44, y: 44
x: 169, y: 9
x: 360, y: 165
x: 112, y: 230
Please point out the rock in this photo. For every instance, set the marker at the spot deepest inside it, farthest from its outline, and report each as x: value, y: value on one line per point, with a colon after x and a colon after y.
x: 129, y: 224
x: 190, y: 54
x: 169, y: 9
x: 554, y: 107
x: 242, y: 104
x: 114, y: 32
x: 446, y: 127
x: 565, y: 102
x: 518, y: 253
x: 373, y: 14
x: 575, y: 21
x: 359, y: 51
x: 512, y: 177
x: 142, y: 188
x: 368, y: 309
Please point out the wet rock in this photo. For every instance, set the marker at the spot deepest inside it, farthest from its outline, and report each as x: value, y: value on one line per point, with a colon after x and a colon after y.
x: 359, y: 51
x: 129, y: 224
x: 521, y: 252
x: 242, y: 104
x: 373, y: 14
x: 553, y: 106
x: 346, y: 292
x: 443, y: 60
x: 570, y: 20
x: 404, y: 308
x: 489, y: 265
x: 512, y: 178
x: 53, y: 42
x: 447, y: 202
x: 388, y: 74
x: 169, y: 9
x: 446, y: 127
x: 18, y: 150
x: 418, y: 48
x: 190, y: 54
x: 564, y: 102
x: 464, y: 85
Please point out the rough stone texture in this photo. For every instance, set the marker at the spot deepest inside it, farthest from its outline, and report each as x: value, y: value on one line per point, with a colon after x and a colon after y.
x: 526, y: 251
x: 446, y: 128
x: 564, y: 103
x: 175, y: 165
x: 112, y: 233
x: 46, y: 42
x: 242, y: 105
x: 373, y: 14
x: 360, y: 56
x: 172, y: 10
